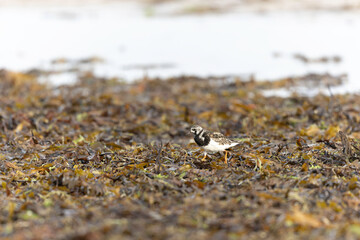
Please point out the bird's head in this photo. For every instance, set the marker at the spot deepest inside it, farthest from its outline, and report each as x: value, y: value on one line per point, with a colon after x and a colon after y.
x: 196, y: 129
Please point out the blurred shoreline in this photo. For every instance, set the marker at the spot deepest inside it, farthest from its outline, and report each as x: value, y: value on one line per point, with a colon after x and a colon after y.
x: 136, y: 39
x: 174, y: 7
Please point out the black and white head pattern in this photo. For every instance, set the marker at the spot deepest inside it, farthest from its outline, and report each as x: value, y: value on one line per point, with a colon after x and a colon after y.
x: 196, y: 129
x: 201, y: 136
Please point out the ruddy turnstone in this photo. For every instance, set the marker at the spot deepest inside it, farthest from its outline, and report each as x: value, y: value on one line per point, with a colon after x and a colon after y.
x: 211, y: 141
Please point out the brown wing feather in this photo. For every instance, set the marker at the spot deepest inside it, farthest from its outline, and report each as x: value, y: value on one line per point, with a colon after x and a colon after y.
x: 216, y: 135
x: 220, y: 138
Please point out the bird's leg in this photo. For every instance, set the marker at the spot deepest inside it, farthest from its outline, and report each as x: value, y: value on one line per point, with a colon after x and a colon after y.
x: 204, y: 157
x: 225, y: 156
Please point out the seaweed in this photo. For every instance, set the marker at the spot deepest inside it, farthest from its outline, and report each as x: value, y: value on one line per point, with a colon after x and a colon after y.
x: 107, y: 159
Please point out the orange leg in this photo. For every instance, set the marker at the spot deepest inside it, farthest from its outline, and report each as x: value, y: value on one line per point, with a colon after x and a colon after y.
x: 203, y: 159
x: 225, y: 156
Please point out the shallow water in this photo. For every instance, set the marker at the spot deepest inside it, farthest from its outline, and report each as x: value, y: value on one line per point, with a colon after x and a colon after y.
x: 230, y: 44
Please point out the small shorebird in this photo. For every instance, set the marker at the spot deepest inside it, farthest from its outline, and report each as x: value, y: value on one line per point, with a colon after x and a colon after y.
x: 211, y: 141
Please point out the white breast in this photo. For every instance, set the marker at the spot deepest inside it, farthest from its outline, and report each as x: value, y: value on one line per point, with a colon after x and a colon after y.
x: 216, y: 147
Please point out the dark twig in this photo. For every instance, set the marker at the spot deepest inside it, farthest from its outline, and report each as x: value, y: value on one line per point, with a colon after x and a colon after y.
x: 346, y: 145
x: 159, y: 167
